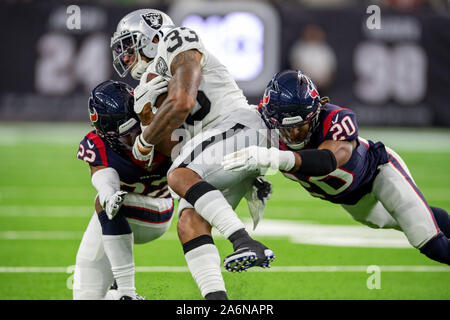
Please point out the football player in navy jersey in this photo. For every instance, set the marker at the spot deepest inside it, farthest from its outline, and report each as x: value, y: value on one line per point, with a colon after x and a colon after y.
x: 133, y: 204
x: 320, y: 148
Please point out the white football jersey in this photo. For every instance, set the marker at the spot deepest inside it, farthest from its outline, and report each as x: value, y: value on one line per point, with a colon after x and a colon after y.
x: 218, y: 94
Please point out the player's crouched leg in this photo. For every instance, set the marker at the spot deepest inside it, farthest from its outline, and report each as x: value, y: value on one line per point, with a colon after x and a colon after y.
x: 149, y: 218
x: 93, y: 275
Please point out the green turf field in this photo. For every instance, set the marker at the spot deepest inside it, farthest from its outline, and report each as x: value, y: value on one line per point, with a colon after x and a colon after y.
x: 46, y: 201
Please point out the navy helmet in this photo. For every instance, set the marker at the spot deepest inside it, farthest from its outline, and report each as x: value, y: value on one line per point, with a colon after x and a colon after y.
x: 291, y: 103
x: 111, y: 111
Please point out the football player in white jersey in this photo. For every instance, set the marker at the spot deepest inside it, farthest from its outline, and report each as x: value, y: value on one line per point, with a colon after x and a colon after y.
x: 204, y: 99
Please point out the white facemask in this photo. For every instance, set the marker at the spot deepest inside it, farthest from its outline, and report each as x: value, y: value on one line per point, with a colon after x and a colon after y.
x: 139, y: 68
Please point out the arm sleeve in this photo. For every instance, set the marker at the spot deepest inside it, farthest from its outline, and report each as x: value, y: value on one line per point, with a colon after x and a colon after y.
x: 107, y: 182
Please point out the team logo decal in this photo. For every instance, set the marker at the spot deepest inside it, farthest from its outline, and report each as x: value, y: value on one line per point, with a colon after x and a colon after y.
x: 154, y: 20
x: 93, y: 116
x: 161, y: 66
x: 313, y: 92
x: 266, y: 98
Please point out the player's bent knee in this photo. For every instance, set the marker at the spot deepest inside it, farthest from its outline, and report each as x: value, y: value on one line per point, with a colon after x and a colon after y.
x: 191, y: 224
x: 438, y: 249
x: 151, y: 232
x: 181, y: 179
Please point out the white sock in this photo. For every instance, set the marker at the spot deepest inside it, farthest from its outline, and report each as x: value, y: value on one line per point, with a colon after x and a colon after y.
x: 215, y: 209
x: 204, y: 264
x: 119, y: 249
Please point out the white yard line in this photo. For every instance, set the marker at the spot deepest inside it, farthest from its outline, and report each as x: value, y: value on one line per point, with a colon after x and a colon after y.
x: 41, y: 235
x: 303, y: 269
x: 303, y: 232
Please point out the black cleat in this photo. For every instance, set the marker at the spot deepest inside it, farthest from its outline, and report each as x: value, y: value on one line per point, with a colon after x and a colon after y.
x: 248, y: 253
x: 137, y: 297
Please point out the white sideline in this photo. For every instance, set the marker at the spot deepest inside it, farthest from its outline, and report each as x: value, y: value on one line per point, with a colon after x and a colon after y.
x: 174, y: 269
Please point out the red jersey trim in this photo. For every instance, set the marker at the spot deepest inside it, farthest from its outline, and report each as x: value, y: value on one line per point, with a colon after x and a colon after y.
x: 100, y: 146
x: 327, y: 122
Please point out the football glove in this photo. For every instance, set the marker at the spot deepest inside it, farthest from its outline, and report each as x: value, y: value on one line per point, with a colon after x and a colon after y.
x: 114, y: 203
x: 149, y: 92
x: 259, y: 158
x: 257, y: 198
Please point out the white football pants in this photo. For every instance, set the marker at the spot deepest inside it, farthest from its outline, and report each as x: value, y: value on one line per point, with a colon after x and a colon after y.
x: 395, y: 202
x: 93, y: 276
x: 204, y: 154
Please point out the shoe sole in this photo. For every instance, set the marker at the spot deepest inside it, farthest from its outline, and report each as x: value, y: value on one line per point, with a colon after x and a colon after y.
x: 246, y: 260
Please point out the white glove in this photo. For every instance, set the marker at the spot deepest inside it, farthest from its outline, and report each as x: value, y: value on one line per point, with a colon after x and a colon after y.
x: 142, y: 150
x: 149, y: 92
x: 114, y: 203
x: 259, y: 158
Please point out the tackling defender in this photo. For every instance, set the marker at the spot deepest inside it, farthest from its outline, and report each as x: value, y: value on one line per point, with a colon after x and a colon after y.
x: 203, y: 98
x: 133, y: 204
x: 321, y: 149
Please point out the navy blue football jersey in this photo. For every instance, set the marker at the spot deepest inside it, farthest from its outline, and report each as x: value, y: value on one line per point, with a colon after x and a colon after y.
x: 134, y: 175
x: 348, y: 183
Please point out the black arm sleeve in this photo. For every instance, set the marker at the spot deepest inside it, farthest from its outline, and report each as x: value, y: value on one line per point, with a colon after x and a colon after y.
x: 317, y: 162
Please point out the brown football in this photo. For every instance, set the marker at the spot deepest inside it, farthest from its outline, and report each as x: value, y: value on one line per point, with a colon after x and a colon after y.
x: 151, y: 76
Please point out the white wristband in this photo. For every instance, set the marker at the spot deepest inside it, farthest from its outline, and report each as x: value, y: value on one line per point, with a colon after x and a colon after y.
x: 144, y: 143
x: 285, y: 159
x: 107, y: 182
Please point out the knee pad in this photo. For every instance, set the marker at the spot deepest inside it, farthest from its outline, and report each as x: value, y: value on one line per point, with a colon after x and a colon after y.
x: 117, y: 226
x: 438, y: 249
x: 442, y: 219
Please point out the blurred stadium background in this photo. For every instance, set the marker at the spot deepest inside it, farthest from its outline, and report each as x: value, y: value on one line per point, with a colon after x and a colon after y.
x: 396, y: 79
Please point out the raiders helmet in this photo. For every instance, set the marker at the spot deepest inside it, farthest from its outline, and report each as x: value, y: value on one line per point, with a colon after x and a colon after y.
x: 134, y: 34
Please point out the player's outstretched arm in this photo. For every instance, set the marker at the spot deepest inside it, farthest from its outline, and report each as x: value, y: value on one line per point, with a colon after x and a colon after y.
x: 342, y: 150
x: 312, y: 162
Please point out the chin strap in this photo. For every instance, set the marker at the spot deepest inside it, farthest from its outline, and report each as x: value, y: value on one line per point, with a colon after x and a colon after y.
x: 139, y: 68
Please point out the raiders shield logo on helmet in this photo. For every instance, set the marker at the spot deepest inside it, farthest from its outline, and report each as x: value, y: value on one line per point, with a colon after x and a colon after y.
x: 154, y: 20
